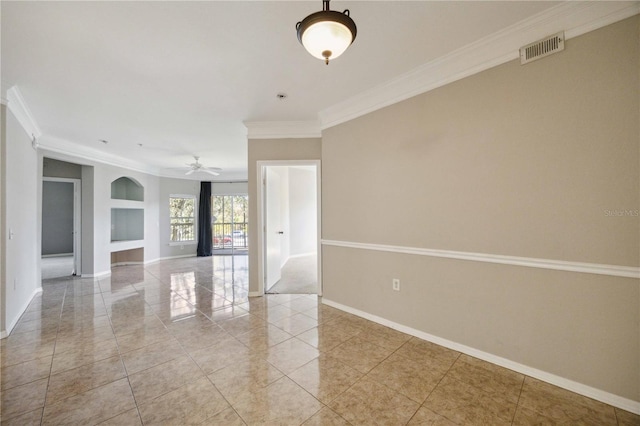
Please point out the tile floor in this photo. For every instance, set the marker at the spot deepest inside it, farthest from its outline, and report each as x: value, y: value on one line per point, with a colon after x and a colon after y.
x: 179, y: 342
x: 56, y: 266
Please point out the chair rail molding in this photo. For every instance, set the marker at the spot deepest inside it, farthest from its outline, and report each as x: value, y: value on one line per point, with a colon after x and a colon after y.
x: 558, y: 265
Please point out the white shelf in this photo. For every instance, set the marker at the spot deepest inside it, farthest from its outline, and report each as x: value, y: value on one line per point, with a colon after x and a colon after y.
x: 127, y: 204
x: 126, y: 245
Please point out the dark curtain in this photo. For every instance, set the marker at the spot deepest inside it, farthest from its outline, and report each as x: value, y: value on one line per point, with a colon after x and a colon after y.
x: 205, y: 244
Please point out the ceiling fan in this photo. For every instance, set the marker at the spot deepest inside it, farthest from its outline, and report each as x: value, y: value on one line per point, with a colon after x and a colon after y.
x: 199, y: 167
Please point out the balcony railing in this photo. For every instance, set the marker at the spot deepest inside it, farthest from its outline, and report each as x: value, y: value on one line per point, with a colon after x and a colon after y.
x: 182, y: 229
x: 230, y: 235
x: 223, y: 235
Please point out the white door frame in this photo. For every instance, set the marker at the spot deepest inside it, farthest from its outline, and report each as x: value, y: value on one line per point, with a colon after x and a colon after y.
x: 77, y: 220
x: 261, y: 167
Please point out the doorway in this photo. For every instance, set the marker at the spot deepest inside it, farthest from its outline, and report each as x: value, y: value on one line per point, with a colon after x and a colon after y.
x: 289, y: 200
x: 61, y: 233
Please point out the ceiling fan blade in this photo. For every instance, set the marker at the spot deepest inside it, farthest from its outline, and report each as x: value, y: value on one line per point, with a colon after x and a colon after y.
x: 211, y: 172
x: 189, y: 172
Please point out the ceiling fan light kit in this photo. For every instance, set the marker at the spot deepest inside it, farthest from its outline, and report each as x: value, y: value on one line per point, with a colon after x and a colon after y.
x: 328, y: 33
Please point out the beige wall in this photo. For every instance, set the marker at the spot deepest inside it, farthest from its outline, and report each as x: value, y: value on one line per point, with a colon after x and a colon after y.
x: 266, y: 150
x: 3, y: 213
x: 518, y: 160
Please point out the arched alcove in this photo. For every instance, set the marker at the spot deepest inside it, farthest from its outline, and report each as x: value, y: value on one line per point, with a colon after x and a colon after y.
x: 126, y: 188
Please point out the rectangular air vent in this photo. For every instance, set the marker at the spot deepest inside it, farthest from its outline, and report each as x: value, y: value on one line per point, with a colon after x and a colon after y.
x: 542, y: 48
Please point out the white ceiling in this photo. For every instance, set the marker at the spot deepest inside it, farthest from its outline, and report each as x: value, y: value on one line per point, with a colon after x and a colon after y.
x: 181, y: 77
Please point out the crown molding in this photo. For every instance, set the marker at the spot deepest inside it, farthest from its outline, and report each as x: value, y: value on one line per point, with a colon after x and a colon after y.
x: 575, y: 18
x: 91, y: 155
x: 19, y: 108
x: 282, y: 129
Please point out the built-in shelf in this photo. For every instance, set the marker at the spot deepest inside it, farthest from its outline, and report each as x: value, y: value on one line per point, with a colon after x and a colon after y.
x: 127, y: 204
x: 126, y: 188
x: 126, y: 245
x: 127, y: 224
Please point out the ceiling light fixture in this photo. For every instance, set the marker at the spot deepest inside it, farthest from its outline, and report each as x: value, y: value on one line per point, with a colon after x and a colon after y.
x: 328, y: 33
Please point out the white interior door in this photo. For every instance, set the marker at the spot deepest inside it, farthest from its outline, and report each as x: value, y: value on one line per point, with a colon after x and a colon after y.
x: 273, y: 228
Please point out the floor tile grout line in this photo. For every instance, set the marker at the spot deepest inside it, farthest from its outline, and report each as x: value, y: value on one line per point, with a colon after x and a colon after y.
x: 69, y: 289
x: 113, y: 330
x: 366, y: 375
x: 321, y: 402
x: 515, y: 412
x: 209, y: 379
x: 438, y: 384
x: 126, y: 373
x: 53, y: 354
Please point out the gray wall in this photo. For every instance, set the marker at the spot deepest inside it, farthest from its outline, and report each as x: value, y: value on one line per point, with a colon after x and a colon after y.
x: 520, y: 161
x: 57, y: 217
x: 60, y: 169
x: 21, y: 266
x: 96, y: 210
x: 88, y: 221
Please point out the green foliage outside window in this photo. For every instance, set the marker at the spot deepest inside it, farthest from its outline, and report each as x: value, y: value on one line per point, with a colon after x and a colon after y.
x: 182, y: 215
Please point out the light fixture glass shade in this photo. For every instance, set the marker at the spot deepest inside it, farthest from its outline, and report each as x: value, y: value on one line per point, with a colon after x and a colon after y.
x: 327, y: 34
x: 327, y: 39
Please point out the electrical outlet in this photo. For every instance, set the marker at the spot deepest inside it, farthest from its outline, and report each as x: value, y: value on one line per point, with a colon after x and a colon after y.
x: 396, y: 284
x: 15, y: 283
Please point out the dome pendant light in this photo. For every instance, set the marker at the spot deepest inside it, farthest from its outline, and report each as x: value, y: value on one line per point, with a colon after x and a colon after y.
x: 326, y: 34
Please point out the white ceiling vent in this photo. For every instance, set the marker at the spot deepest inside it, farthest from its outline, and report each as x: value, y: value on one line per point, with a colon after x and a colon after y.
x: 541, y: 48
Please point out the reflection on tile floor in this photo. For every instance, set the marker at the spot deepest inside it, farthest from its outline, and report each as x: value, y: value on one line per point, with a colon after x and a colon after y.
x: 179, y: 342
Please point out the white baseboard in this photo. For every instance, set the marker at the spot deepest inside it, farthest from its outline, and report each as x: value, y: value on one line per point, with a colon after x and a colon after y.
x: 102, y: 274
x: 147, y: 262
x: 582, y: 389
x: 12, y: 324
x: 311, y: 253
x: 126, y: 263
x: 57, y: 255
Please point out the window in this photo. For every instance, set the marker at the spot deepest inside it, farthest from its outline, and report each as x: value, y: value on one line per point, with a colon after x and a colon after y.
x: 229, y: 215
x: 182, y: 217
